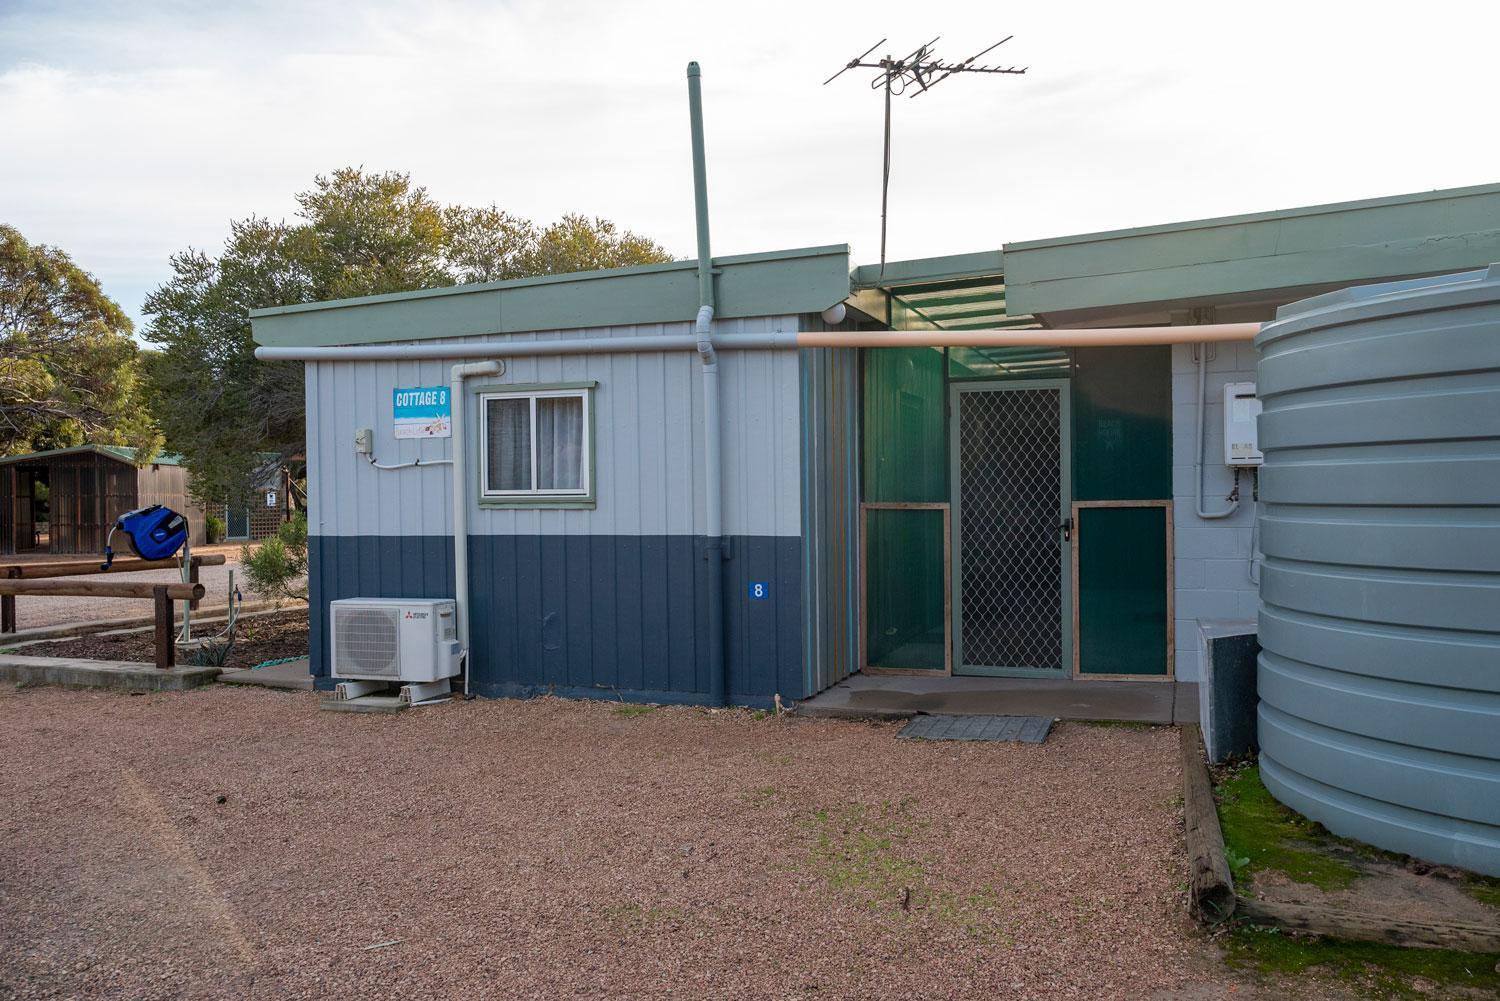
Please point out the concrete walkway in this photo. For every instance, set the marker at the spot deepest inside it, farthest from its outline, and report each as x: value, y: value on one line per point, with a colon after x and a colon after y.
x: 118, y: 674
x: 864, y: 696
x: 291, y: 675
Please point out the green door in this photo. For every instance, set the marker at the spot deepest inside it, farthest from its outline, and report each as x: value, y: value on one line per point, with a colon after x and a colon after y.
x: 1011, y: 495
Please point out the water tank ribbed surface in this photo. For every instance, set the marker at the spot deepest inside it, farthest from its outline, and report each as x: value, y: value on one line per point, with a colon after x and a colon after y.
x: 1380, y: 591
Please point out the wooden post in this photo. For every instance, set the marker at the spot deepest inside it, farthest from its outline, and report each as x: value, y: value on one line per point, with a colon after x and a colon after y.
x: 1211, y: 888
x: 8, y: 605
x: 166, y: 647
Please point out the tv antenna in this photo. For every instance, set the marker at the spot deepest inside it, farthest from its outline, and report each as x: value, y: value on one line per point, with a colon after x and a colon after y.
x: 918, y: 71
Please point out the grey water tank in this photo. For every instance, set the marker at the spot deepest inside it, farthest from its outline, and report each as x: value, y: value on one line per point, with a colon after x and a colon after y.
x: 1379, y: 672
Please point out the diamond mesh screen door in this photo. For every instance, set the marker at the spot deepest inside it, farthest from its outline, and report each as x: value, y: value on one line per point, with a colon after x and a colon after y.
x: 1011, y: 494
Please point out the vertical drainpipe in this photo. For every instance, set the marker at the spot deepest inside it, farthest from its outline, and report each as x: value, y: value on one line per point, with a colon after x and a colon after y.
x: 714, y: 552
x: 457, y: 375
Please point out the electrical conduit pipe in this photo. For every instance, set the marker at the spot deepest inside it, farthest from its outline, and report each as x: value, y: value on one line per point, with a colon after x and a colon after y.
x: 1234, y: 497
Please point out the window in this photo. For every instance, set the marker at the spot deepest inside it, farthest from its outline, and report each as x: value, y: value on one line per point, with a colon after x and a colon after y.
x: 538, y: 444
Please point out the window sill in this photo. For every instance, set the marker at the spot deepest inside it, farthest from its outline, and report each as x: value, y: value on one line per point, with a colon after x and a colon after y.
x: 540, y: 503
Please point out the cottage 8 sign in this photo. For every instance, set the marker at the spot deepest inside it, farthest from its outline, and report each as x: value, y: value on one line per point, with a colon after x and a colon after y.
x: 422, y: 412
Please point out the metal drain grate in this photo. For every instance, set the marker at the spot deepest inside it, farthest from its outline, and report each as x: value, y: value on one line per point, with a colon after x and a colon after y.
x: 1027, y: 729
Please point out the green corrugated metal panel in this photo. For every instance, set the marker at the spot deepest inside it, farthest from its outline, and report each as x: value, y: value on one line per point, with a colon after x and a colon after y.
x: 773, y: 284
x: 1348, y: 242
x: 1122, y: 590
x: 830, y: 514
x: 1122, y: 423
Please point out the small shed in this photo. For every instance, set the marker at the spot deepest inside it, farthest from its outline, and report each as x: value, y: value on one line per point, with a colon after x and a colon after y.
x: 64, y: 500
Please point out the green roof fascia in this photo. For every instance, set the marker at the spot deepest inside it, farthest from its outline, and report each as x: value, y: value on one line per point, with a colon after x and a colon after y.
x: 931, y: 270
x: 771, y: 284
x: 1345, y: 242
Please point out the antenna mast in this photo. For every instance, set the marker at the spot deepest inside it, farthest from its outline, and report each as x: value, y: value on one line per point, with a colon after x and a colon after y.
x: 923, y: 70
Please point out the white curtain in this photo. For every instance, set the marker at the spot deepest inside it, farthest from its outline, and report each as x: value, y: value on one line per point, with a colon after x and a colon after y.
x: 508, y: 429
x: 559, y: 443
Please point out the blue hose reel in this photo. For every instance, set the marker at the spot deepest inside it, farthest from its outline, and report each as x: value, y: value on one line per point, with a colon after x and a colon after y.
x: 155, y: 533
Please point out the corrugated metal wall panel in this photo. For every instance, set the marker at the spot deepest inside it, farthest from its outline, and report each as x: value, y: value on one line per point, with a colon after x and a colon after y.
x: 830, y: 516
x: 648, y: 441
x: 603, y: 602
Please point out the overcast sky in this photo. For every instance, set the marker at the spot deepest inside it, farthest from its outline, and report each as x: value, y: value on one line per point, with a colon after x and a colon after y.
x: 132, y: 130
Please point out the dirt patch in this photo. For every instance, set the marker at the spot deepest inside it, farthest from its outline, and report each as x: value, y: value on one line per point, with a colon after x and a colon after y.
x: 239, y: 843
x: 258, y: 639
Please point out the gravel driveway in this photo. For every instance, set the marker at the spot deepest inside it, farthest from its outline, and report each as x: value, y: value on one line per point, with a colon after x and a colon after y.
x: 503, y: 849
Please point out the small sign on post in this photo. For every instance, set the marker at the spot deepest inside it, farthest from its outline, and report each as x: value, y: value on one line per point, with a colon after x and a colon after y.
x: 422, y: 412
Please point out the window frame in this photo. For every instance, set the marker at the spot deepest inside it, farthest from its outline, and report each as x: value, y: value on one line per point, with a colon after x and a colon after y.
x: 537, y: 497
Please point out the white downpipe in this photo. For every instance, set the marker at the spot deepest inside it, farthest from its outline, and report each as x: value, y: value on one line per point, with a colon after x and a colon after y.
x: 461, y: 502
x: 1234, y: 496
x: 703, y: 329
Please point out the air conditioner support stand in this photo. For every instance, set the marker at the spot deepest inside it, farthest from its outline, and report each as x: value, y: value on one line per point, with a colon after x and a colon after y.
x: 418, y: 692
x: 346, y: 690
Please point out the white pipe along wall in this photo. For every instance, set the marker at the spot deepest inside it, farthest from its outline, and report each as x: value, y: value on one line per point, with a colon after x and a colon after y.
x: 777, y: 341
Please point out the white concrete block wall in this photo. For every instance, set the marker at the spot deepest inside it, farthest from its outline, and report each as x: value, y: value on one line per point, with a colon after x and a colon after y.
x: 1212, y: 572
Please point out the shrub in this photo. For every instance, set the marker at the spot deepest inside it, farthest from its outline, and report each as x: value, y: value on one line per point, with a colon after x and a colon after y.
x: 214, y: 528
x: 277, y: 568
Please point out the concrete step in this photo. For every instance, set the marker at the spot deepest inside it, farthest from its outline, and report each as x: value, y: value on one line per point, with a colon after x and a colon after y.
x: 365, y: 704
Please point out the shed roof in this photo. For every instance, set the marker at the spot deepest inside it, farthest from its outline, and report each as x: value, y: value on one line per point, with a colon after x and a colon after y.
x: 121, y: 453
x: 781, y: 282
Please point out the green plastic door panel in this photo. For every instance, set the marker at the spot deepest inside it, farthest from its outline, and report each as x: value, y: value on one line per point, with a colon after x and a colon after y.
x: 1122, y: 590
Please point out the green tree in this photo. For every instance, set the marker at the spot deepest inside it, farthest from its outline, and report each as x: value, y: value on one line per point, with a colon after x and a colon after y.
x: 69, y: 368
x: 232, y: 417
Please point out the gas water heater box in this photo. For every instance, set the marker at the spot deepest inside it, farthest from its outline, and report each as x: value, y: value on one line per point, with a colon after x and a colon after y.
x: 394, y: 639
x: 1241, y: 436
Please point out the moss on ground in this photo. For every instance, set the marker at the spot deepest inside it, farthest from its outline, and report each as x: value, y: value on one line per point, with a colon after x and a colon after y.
x: 1260, y: 835
x: 1120, y: 724
x: 632, y: 710
x: 857, y: 850
x: 1389, y: 971
x: 1484, y: 889
x: 853, y: 849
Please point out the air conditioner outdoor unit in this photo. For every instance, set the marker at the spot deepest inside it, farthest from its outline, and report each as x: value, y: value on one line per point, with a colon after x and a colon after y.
x: 406, y: 640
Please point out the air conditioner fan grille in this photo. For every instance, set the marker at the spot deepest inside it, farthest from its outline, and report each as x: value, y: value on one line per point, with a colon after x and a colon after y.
x: 367, y: 641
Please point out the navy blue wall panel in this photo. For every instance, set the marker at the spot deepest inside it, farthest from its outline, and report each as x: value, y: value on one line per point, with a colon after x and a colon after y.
x: 602, y: 616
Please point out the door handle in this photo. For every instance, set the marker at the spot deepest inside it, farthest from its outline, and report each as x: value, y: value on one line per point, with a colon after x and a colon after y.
x: 1066, y: 527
